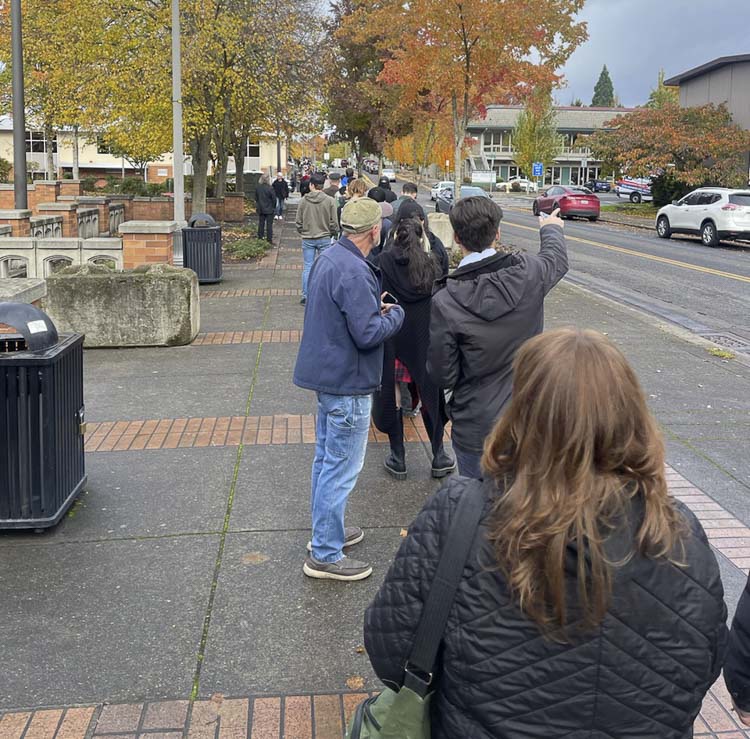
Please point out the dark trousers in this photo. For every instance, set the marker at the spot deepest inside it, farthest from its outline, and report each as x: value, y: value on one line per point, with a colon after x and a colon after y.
x: 265, y: 226
x: 469, y: 463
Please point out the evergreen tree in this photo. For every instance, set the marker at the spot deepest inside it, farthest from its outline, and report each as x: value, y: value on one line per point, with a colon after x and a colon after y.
x: 662, y: 95
x: 604, y: 92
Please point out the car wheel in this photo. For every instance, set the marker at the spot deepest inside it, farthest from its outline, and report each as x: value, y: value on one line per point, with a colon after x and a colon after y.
x: 709, y: 234
x: 635, y: 197
x: 663, y: 231
x: 555, y: 207
x: 535, y: 208
x: 593, y: 218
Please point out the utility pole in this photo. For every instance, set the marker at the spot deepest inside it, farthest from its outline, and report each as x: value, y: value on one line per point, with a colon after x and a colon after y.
x: 19, y: 110
x: 178, y: 159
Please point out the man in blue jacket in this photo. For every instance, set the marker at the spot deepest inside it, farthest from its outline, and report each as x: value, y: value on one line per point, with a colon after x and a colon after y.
x: 341, y: 358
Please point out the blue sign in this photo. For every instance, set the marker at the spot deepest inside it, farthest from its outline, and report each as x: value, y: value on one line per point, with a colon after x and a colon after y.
x: 537, y: 169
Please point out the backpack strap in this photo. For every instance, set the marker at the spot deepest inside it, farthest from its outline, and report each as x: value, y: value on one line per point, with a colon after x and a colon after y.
x: 419, y: 668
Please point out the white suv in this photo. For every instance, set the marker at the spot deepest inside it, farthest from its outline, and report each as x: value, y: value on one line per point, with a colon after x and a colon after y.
x: 713, y: 213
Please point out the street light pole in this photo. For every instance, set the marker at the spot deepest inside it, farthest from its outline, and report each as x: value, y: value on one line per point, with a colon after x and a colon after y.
x: 178, y: 159
x: 19, y: 110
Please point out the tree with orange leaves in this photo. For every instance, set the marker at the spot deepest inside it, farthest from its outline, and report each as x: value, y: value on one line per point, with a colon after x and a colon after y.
x: 470, y: 53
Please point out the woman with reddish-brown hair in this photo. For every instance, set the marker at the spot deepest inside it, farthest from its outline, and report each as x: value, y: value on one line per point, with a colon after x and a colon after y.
x: 590, y: 604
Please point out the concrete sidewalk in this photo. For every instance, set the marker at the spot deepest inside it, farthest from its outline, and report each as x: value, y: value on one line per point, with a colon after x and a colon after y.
x: 171, y: 601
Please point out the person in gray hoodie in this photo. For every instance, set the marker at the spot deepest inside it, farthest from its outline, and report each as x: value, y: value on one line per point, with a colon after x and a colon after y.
x: 317, y: 223
x: 481, y: 313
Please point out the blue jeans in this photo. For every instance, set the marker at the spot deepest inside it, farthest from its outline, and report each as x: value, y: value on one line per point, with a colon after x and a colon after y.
x: 279, y: 206
x: 341, y: 442
x: 469, y: 463
x: 310, y: 249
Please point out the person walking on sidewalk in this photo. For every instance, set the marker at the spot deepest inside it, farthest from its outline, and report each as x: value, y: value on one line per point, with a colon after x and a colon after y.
x: 341, y: 359
x: 481, y: 314
x: 265, y: 206
x: 409, y: 192
x: 334, y: 179
x: 590, y: 604
x: 317, y: 223
x: 281, y: 189
x: 409, y: 271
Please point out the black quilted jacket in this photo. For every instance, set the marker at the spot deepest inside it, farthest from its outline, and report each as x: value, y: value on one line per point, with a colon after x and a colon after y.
x: 641, y: 675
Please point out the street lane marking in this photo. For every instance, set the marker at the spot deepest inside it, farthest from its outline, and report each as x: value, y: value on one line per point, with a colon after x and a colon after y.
x: 652, y: 257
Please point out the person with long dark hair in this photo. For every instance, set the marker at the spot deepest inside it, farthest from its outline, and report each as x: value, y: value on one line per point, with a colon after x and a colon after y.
x: 590, y: 604
x: 409, y: 268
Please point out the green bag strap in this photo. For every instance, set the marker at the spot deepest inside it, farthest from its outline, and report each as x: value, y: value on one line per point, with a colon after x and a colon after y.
x: 419, y: 667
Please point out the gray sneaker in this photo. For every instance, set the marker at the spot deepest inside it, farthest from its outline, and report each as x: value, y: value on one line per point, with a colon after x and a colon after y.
x: 345, y: 569
x: 352, y: 535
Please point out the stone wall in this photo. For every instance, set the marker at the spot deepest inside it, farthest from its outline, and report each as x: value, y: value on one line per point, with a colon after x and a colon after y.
x: 150, y: 306
x: 42, y: 257
x: 440, y: 225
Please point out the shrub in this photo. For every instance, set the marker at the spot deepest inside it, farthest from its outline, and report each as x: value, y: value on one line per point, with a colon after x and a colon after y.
x: 5, y: 167
x: 666, y: 187
x: 88, y: 183
x: 133, y: 186
x: 155, y: 189
x: 249, y: 248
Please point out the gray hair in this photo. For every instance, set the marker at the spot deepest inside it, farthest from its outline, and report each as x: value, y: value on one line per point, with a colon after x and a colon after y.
x: 265, y: 179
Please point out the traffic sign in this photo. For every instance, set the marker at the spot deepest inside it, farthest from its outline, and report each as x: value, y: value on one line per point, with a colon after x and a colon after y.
x: 537, y: 169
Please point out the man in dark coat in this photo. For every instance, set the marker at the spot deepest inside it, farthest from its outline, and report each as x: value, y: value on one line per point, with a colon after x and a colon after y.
x: 281, y: 189
x: 481, y: 314
x: 385, y: 184
x: 265, y: 206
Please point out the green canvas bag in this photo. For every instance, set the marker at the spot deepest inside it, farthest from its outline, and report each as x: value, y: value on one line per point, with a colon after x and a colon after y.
x: 405, y: 714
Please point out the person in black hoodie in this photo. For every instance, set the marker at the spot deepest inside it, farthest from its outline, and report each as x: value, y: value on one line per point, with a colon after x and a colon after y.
x: 481, y: 314
x: 409, y: 268
x: 385, y: 184
x: 737, y: 664
x: 265, y: 206
x: 281, y: 190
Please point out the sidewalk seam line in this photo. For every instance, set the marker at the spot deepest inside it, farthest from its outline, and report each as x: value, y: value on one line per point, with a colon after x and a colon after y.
x: 223, y: 536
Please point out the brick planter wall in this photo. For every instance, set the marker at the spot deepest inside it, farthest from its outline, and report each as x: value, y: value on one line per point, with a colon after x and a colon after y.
x: 71, y: 187
x: 147, y: 242
x: 18, y: 220
x: 102, y: 205
x: 234, y: 207
x: 69, y: 213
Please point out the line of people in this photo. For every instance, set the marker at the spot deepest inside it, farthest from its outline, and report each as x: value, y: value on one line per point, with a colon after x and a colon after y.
x: 590, y: 603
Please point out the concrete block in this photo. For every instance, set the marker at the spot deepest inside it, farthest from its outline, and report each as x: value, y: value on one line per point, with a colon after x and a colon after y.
x: 58, y: 206
x: 155, y: 305
x: 6, y: 231
x: 22, y: 290
x: 440, y: 225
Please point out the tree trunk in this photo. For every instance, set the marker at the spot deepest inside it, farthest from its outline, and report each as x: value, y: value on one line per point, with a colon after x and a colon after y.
x: 200, y: 149
x: 49, y: 156
x: 278, y: 149
x: 222, y: 161
x: 456, y: 149
x: 239, y: 147
x: 358, y: 152
x: 75, y: 153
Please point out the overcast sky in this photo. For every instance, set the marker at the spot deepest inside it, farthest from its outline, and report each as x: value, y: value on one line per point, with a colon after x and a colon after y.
x: 636, y: 38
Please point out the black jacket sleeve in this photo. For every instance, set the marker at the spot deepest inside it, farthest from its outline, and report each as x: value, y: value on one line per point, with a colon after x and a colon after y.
x: 438, y: 248
x: 391, y: 620
x: 443, y: 359
x: 553, y: 256
x: 737, y: 664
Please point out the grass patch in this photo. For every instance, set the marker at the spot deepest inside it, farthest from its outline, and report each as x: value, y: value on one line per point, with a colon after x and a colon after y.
x: 642, y: 210
x: 247, y: 248
x: 721, y: 353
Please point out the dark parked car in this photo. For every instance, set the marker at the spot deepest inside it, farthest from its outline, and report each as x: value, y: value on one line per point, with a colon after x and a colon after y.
x: 598, y: 186
x: 444, y: 199
x: 572, y: 201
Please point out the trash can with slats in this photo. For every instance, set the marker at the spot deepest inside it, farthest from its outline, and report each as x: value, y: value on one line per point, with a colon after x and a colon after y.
x: 42, y: 419
x: 201, y: 248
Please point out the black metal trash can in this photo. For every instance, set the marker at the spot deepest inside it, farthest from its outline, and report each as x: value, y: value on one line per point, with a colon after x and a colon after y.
x: 42, y: 423
x: 201, y: 248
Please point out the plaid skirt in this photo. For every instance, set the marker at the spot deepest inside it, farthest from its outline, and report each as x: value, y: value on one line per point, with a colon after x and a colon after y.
x: 401, y: 374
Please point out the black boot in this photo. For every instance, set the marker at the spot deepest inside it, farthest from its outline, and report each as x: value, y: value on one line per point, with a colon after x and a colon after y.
x: 442, y: 464
x: 395, y: 462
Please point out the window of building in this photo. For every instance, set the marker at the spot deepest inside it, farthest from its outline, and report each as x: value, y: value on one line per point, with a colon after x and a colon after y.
x: 36, y: 143
x: 253, y: 149
x: 498, y: 142
x: 102, y: 147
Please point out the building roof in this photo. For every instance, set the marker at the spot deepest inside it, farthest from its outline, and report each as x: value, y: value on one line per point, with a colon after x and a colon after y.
x: 722, y: 61
x: 569, y: 117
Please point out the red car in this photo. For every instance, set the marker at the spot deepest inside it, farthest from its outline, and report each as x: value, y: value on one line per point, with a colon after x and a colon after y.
x: 572, y: 201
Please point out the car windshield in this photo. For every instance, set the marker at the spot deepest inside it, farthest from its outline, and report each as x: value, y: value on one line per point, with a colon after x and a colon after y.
x: 740, y: 198
x: 471, y: 191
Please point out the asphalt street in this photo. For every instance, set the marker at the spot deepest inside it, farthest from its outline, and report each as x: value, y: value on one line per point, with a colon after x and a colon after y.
x: 704, y: 290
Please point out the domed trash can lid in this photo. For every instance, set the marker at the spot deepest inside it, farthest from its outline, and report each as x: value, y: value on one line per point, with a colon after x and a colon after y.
x: 201, y: 220
x: 34, y: 325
